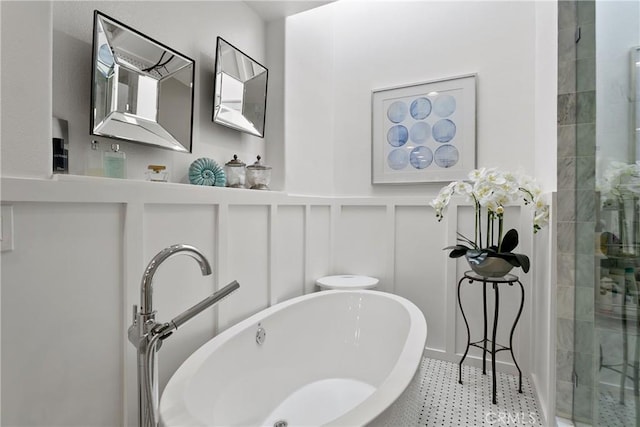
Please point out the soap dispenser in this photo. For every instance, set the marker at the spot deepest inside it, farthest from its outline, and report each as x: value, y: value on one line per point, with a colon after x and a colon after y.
x: 115, y: 162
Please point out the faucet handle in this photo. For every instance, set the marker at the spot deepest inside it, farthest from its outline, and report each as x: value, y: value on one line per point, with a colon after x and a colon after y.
x: 135, y: 312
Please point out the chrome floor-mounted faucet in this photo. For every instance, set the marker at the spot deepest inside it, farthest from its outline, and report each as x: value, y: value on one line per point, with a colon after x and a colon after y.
x: 147, y: 335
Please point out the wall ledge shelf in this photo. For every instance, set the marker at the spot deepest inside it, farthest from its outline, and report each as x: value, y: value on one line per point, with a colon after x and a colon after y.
x: 67, y: 188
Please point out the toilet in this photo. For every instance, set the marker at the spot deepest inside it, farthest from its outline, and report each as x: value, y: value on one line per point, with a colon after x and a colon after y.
x: 346, y: 282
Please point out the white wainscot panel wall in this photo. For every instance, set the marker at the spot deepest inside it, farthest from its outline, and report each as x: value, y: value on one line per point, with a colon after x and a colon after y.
x: 419, y: 273
x: 62, y: 334
x: 289, y: 252
x: 81, y: 246
x: 361, y: 242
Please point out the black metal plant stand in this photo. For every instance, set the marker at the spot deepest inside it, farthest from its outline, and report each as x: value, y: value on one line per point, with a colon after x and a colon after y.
x: 509, y: 279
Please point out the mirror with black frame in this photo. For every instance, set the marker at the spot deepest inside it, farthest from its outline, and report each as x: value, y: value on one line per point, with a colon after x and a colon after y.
x: 142, y: 91
x: 240, y: 94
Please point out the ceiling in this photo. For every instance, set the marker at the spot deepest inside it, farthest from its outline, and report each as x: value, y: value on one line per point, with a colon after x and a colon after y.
x: 270, y: 10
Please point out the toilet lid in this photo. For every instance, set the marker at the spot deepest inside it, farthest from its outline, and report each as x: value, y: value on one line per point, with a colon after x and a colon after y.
x: 346, y: 281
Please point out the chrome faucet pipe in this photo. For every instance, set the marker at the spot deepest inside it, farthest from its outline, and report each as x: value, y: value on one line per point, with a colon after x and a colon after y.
x: 217, y: 296
x: 146, y: 287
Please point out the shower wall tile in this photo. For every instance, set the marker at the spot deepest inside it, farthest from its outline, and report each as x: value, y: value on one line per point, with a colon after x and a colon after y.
x: 566, y: 237
x: 566, y: 269
x: 566, y: 76
x: 586, y: 107
x: 566, y: 173
x: 586, y: 13
x: 576, y: 214
x: 565, y: 328
x: 567, y: 14
x: 564, y: 399
x: 566, y: 205
x: 586, y: 46
x: 586, y: 173
x: 582, y: 407
x: 567, y: 109
x: 567, y: 141
x: 585, y: 234
x: 584, y: 303
x: 564, y: 365
x: 585, y: 76
x: 586, y: 139
x: 585, y: 331
x: 584, y: 367
x: 565, y: 302
x: 586, y: 205
x: 567, y: 44
x: 585, y: 274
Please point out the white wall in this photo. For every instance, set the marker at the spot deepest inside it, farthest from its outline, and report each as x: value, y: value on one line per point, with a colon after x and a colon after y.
x: 349, y: 48
x: 26, y: 89
x: 614, y: 125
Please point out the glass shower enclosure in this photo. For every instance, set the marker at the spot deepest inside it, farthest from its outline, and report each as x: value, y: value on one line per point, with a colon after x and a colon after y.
x: 607, y: 316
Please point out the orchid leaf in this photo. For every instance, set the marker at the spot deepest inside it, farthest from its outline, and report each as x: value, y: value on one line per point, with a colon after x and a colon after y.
x: 517, y: 260
x: 456, y: 251
x: 524, y: 262
x: 509, y: 241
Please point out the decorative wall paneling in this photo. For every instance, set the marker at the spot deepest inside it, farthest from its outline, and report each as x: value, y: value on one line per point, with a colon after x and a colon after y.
x: 274, y: 244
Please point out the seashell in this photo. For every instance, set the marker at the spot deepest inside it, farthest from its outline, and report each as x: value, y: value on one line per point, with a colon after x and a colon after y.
x: 204, y: 171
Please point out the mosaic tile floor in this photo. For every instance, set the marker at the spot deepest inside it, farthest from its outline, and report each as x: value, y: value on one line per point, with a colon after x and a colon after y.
x: 612, y: 413
x: 434, y: 398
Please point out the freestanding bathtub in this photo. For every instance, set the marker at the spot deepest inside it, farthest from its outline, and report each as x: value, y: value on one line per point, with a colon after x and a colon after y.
x: 336, y: 358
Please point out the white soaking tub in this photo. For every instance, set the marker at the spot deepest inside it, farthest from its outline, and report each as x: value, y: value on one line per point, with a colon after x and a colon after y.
x: 336, y: 358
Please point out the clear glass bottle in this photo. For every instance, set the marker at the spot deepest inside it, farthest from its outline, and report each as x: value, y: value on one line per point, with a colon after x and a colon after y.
x: 95, y: 165
x: 115, y: 162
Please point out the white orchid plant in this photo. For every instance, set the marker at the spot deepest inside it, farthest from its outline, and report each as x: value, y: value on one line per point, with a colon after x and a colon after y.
x: 620, y: 180
x: 490, y: 190
x: 620, y: 187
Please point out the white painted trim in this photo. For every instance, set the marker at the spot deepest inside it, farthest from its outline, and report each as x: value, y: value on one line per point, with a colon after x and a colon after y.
x: 221, y: 256
x: 272, y: 254
x: 391, y: 246
x: 133, y: 266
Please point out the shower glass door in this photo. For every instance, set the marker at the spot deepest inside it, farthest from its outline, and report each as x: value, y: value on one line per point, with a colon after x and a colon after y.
x: 607, y: 369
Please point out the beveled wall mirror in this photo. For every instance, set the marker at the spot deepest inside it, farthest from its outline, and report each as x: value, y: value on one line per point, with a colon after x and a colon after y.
x: 240, y: 95
x: 142, y: 91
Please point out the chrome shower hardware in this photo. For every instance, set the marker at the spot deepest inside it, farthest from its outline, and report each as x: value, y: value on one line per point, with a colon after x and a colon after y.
x: 147, y: 335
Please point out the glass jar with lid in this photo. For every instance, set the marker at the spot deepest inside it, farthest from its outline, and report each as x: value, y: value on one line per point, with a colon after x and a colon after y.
x: 258, y: 176
x: 157, y: 173
x: 235, y: 172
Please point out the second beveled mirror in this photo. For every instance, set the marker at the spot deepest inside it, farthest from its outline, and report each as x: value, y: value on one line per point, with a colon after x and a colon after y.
x: 240, y: 95
x: 142, y: 91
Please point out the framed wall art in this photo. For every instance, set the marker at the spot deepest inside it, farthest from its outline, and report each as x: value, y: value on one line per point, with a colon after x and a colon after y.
x: 424, y: 132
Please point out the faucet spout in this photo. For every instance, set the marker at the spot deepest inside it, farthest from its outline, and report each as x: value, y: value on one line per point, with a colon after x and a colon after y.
x: 146, y: 287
